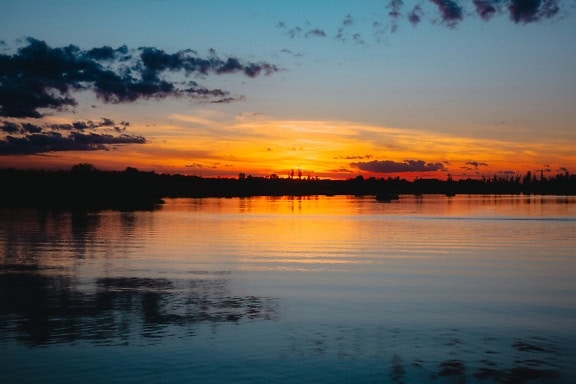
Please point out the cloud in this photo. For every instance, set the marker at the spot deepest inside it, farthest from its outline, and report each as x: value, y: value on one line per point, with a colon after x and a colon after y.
x: 316, y: 32
x: 358, y: 39
x: 155, y: 61
x: 353, y: 157
x: 546, y: 169
x: 394, y: 7
x: 348, y: 21
x: 475, y: 165
x: 10, y: 127
x: 291, y: 53
x: 88, y: 124
x: 486, y: 8
x: 520, y: 11
x: 415, y: 15
x: 108, y: 53
x: 26, y: 138
x: 38, y: 76
x: 389, y: 166
x: 228, y: 100
x: 292, y: 32
x: 53, y: 141
x: 528, y: 11
x: 450, y: 11
x: 340, y: 170
x: 31, y: 128
x: 298, y: 31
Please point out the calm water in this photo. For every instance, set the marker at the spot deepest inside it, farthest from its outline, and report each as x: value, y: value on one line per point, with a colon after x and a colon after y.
x: 322, y: 289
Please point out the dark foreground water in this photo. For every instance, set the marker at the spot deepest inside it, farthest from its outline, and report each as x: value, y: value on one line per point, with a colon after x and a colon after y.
x: 432, y: 289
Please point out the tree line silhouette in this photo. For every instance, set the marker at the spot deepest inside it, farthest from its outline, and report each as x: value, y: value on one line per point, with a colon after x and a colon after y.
x: 85, y: 187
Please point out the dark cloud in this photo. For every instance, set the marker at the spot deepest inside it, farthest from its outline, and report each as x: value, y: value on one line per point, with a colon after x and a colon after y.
x: 528, y: 11
x: 107, y: 122
x: 38, y: 76
x: 83, y: 125
x: 155, y: 61
x: 90, y: 139
x: 26, y: 138
x: 389, y: 166
x: 486, y: 8
x: 340, y: 170
x: 475, y: 164
x: 395, y: 6
x: 53, y: 141
x: 10, y: 127
x: 89, y: 124
x: 227, y: 100
x: 31, y: 128
x: 450, y: 11
x: 108, y: 53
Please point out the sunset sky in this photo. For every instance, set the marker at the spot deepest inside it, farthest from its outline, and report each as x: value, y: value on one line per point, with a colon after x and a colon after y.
x: 334, y: 89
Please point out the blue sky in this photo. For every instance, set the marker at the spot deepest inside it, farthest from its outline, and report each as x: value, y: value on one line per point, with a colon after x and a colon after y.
x: 503, y: 90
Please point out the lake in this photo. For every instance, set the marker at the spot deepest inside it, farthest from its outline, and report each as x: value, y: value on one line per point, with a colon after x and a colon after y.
x: 318, y: 289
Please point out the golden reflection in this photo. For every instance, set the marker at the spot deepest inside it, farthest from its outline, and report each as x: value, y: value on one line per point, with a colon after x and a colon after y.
x: 346, y: 232
x: 338, y: 233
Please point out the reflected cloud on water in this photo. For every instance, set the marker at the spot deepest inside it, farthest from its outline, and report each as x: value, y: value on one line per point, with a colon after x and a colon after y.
x: 436, y: 355
x: 39, y: 307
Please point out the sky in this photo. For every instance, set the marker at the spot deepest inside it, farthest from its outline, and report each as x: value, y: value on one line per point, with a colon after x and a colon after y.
x: 328, y: 88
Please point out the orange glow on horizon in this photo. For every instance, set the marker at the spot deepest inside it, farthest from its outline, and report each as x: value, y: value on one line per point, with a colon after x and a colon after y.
x: 209, y: 144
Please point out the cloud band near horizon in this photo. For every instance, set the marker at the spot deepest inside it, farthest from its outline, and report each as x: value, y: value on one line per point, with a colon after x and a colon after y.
x: 29, y: 139
x: 389, y: 166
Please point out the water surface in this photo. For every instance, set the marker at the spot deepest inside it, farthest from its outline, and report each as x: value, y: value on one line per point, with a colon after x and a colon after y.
x: 312, y: 289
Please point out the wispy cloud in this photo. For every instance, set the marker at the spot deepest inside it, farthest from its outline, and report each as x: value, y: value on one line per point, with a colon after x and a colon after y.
x: 316, y: 32
x: 305, y: 32
x: 449, y: 13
